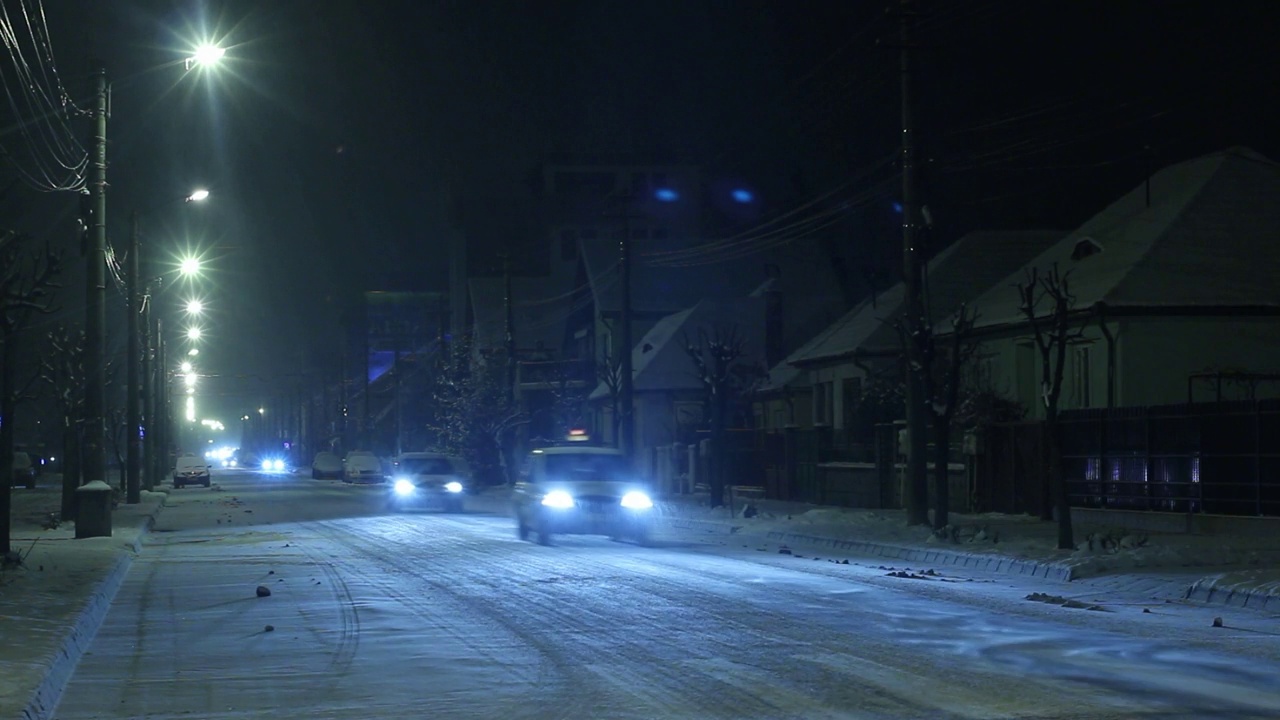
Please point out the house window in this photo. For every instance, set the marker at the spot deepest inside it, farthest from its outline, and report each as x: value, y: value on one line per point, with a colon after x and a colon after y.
x: 822, y: 403
x: 1083, y: 392
x: 568, y: 244
x: 850, y: 391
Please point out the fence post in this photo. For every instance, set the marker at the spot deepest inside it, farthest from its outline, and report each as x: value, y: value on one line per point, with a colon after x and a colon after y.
x: 790, y: 462
x: 824, y: 437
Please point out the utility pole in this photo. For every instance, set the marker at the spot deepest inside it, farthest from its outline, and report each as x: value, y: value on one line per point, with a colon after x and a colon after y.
x: 148, y: 399
x: 161, y: 421
x: 133, y: 449
x: 95, y: 323
x: 510, y: 327
x: 914, y: 322
x: 626, y: 392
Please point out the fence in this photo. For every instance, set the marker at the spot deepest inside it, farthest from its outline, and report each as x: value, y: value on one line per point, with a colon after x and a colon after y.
x: 1221, y: 458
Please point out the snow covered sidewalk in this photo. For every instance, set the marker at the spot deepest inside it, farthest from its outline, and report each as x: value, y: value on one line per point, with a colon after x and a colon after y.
x: 1238, y: 570
x: 53, y: 602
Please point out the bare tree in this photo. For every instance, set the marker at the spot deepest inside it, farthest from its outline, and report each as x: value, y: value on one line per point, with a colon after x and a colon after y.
x: 940, y: 380
x: 475, y: 414
x: 716, y: 357
x: 568, y: 398
x: 609, y: 372
x: 62, y: 369
x: 1053, y: 333
x: 27, y: 278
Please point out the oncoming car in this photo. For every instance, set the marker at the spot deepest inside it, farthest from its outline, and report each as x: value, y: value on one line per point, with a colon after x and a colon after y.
x: 190, y: 469
x: 581, y: 491
x: 427, y: 480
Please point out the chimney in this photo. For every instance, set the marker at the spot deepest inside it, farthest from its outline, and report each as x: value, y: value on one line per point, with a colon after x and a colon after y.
x: 773, y: 342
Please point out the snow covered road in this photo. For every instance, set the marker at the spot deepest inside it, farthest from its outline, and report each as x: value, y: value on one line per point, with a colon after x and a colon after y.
x: 423, y: 615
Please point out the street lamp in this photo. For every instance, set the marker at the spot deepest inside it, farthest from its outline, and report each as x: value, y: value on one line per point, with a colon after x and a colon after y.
x: 186, y: 366
x: 204, y: 56
x: 194, y: 307
x: 190, y: 266
x: 193, y: 333
x: 94, y: 224
x: 137, y: 394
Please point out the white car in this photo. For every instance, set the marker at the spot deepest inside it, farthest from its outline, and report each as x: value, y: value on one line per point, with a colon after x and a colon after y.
x: 362, y: 466
x: 581, y: 491
x: 326, y: 465
x: 189, y: 469
x: 429, y: 479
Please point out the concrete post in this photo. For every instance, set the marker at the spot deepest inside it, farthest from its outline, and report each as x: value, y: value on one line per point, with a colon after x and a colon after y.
x: 93, y: 510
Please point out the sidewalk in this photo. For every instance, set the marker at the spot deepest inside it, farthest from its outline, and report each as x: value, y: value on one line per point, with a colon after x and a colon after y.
x: 51, y: 605
x: 1242, y: 571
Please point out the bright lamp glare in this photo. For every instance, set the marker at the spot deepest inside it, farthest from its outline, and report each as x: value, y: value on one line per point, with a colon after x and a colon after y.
x: 207, y: 55
x: 198, y: 195
x: 195, y: 307
x: 636, y: 501
x: 190, y: 379
x: 186, y: 367
x: 190, y: 266
x: 558, y: 499
x: 193, y: 333
x: 193, y: 352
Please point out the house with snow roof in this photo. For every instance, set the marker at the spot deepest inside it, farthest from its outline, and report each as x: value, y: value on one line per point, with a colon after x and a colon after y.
x: 820, y: 383
x: 668, y: 394
x: 1175, y: 290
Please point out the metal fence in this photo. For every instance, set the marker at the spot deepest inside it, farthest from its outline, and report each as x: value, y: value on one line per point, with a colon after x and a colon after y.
x: 1221, y: 458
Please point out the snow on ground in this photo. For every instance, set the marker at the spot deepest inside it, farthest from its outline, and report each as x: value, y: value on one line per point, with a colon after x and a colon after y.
x: 1099, y: 550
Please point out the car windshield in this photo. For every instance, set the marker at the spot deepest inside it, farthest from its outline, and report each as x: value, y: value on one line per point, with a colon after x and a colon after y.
x: 190, y: 462
x: 586, y: 466
x: 427, y: 466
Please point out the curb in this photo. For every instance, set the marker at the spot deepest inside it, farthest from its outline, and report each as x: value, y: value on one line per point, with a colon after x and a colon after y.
x: 1205, y: 590
x: 707, y: 526
x: 989, y: 563
x: 46, y: 696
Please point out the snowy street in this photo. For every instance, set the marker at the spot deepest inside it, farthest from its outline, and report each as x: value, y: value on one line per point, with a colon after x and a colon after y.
x: 377, y: 615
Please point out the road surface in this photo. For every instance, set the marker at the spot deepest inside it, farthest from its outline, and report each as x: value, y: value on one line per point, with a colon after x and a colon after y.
x: 377, y: 615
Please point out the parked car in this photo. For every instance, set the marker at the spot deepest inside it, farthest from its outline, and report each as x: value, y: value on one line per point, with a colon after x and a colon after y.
x: 581, y: 491
x: 24, y: 471
x: 362, y: 466
x: 190, y: 469
x: 326, y: 465
x: 429, y: 480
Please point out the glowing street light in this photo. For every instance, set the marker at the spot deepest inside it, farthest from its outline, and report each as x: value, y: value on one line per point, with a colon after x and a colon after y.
x: 186, y: 366
x: 194, y: 307
x: 262, y: 411
x: 190, y: 266
x: 205, y: 55
x: 193, y: 352
x: 198, y: 196
x: 189, y: 379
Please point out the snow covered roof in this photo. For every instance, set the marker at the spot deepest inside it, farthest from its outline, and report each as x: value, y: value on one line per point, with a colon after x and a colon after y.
x: 1210, y: 237
x: 660, y: 361
x: 956, y: 275
x: 539, y: 310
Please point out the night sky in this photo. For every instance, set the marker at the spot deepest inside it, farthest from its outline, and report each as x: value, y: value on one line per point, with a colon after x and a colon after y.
x: 341, y: 140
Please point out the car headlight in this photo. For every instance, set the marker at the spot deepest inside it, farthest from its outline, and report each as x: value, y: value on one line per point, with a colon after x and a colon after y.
x: 453, y: 487
x: 266, y: 465
x: 558, y: 499
x: 231, y: 463
x: 404, y: 487
x: 636, y: 501
x: 279, y: 465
